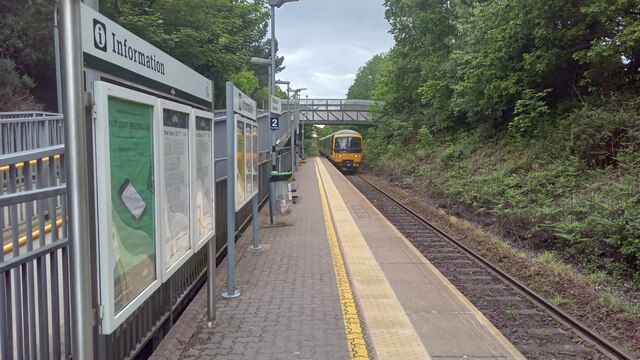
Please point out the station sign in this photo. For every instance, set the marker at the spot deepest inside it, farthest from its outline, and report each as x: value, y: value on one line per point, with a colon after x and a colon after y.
x: 274, y: 123
x: 276, y: 105
x: 111, y: 49
x: 244, y: 105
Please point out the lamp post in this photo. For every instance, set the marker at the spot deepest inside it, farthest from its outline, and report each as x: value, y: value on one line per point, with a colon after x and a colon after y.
x: 306, y: 103
x: 296, y: 95
x: 272, y: 84
x: 283, y: 82
x: 274, y: 4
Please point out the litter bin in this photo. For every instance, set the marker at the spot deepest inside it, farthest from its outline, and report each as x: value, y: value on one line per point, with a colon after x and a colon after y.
x: 283, y: 212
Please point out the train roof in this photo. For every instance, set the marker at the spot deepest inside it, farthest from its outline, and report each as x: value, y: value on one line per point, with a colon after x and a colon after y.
x: 341, y: 132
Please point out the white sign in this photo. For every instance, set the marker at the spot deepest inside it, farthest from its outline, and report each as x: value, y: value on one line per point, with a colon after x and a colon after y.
x: 276, y: 105
x: 106, y: 44
x: 175, y: 180
x: 244, y: 105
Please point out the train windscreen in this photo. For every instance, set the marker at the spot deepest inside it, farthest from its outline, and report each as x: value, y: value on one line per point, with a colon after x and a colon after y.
x: 348, y: 144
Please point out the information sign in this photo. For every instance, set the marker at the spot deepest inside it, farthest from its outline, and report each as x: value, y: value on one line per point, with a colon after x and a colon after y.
x: 276, y: 105
x: 112, y: 49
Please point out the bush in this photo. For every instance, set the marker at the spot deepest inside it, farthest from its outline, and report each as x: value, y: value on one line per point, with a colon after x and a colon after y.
x: 14, y: 89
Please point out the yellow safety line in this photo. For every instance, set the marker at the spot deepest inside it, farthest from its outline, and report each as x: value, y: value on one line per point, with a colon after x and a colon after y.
x: 352, y: 327
x: 34, y: 236
x: 392, y: 333
x: 32, y: 162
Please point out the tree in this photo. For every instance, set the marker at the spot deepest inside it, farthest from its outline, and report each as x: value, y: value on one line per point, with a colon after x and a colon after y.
x: 26, y: 37
x: 364, y: 85
x: 14, y: 89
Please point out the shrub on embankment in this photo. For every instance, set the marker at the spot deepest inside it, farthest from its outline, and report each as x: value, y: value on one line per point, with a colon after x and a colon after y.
x: 572, y: 187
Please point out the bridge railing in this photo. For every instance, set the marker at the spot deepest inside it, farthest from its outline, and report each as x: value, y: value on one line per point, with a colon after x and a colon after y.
x: 332, y: 111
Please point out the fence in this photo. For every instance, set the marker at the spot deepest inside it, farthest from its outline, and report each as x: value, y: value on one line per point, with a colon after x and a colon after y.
x: 21, y: 131
x: 34, y: 263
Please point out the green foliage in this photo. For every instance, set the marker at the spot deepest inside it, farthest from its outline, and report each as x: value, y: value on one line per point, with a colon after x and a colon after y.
x: 15, y: 89
x: 26, y: 37
x: 364, y: 84
x: 601, y: 134
x: 613, y: 58
x: 246, y: 81
x: 529, y: 112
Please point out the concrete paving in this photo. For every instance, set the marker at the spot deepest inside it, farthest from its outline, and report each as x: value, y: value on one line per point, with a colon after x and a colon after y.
x: 293, y: 301
x: 288, y: 306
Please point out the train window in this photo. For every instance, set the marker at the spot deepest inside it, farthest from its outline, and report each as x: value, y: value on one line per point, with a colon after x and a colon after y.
x: 348, y: 144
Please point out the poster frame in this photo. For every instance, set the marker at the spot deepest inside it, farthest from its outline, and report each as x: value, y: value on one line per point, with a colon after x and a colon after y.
x: 170, y: 105
x: 110, y: 320
x: 198, y: 243
x: 248, y: 196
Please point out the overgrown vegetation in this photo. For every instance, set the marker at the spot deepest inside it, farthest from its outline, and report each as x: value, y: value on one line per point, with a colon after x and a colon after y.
x: 522, y: 110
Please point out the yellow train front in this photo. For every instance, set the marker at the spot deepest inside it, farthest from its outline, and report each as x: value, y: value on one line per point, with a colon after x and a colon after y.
x: 344, y: 149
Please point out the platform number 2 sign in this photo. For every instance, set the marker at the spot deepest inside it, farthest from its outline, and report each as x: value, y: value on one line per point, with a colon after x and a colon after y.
x: 274, y: 123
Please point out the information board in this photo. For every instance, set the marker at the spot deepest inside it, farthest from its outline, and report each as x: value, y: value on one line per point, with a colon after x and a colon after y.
x: 246, y: 160
x: 127, y: 200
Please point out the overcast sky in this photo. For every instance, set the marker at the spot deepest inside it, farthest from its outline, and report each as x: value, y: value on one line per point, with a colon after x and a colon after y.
x: 325, y: 42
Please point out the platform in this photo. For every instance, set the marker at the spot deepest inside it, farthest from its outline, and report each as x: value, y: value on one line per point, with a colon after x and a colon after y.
x: 342, y: 283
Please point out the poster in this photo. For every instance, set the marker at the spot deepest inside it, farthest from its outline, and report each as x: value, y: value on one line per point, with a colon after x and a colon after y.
x: 248, y: 142
x: 255, y: 157
x: 132, y: 198
x: 204, y: 201
x: 240, y: 163
x: 176, y: 185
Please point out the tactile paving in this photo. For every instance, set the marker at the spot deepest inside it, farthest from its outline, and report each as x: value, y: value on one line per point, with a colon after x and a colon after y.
x: 391, y: 331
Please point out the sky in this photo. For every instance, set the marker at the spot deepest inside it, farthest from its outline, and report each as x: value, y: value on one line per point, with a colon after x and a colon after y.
x: 325, y: 42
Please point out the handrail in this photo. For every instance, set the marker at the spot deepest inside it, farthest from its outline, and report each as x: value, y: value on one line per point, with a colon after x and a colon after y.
x: 34, y: 236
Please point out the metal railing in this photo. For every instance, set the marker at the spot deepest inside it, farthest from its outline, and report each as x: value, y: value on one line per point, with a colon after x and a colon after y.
x: 34, y: 263
x: 333, y: 111
x: 21, y: 131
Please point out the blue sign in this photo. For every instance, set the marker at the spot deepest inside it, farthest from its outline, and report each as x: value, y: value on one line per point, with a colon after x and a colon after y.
x: 274, y: 123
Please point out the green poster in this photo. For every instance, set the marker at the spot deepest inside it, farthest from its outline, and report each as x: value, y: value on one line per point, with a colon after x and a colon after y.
x: 132, y: 198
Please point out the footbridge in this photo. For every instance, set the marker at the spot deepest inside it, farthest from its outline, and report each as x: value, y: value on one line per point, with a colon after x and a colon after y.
x: 332, y: 111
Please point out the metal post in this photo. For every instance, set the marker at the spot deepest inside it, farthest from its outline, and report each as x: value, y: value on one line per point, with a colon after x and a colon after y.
x: 293, y: 132
x: 294, y: 127
x: 231, y: 197
x: 302, y: 137
x: 77, y: 184
x: 211, y: 262
x: 56, y: 48
x: 272, y: 90
x: 256, y: 235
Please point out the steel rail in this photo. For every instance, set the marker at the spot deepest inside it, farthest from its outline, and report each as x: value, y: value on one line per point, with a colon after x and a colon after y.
x: 602, y: 344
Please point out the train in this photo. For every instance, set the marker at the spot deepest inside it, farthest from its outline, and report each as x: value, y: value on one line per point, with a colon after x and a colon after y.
x: 344, y: 149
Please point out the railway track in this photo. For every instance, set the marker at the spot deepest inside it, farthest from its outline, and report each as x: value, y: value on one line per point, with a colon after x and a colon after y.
x: 536, y: 327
